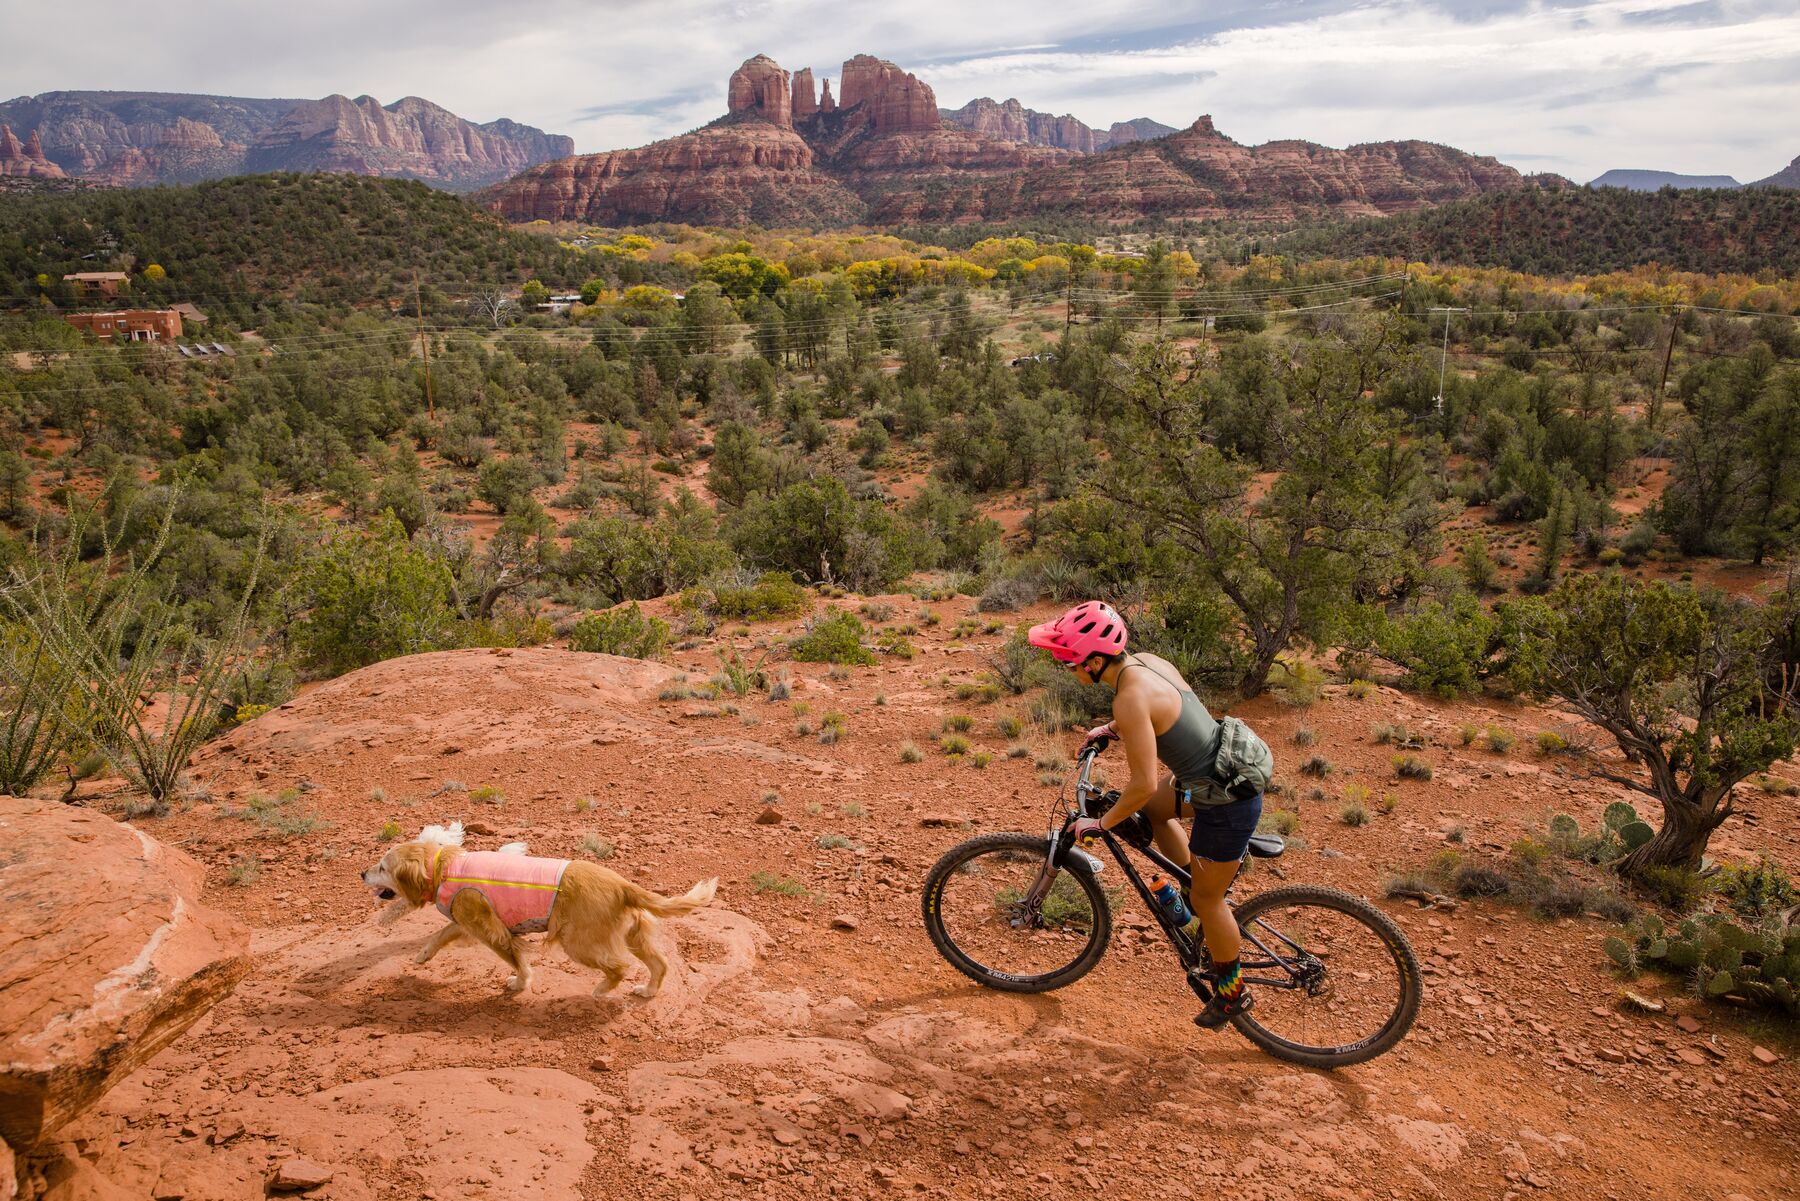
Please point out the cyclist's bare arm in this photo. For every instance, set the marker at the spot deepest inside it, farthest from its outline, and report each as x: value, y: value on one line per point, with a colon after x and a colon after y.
x: 1131, y: 719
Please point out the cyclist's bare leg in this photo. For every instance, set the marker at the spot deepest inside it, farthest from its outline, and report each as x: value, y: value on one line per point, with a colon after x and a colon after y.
x: 1164, y: 812
x: 1207, y: 896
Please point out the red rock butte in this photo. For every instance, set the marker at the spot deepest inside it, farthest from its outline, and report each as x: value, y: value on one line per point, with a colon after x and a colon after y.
x: 761, y: 86
x: 882, y: 151
x: 25, y: 160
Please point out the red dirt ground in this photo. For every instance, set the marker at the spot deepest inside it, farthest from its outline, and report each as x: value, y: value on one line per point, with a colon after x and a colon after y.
x: 791, y: 1058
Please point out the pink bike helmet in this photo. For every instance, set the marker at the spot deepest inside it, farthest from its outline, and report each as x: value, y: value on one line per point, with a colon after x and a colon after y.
x: 1090, y: 628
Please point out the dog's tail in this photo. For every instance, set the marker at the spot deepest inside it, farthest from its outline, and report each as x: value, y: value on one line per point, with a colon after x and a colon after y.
x: 650, y: 902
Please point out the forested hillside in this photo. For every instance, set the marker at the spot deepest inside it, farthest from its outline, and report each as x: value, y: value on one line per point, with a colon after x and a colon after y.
x: 256, y: 239
x: 1561, y: 231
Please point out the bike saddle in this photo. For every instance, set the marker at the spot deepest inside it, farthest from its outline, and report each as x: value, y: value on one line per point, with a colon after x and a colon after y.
x: 1266, y: 846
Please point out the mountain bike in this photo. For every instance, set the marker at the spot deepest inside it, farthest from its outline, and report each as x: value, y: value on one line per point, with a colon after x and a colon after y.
x: 1336, y: 981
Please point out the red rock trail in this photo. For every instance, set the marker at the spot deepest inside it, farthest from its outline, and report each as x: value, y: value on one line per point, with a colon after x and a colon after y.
x: 789, y: 1057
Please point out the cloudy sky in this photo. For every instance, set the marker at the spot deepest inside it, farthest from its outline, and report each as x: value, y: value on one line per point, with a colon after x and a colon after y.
x: 1570, y: 86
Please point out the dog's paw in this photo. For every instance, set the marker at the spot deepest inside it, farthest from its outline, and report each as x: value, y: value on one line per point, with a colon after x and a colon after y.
x: 516, y: 984
x: 422, y: 957
x: 644, y: 991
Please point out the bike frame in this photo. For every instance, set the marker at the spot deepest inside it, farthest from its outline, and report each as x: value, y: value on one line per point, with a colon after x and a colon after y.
x: 1294, y: 967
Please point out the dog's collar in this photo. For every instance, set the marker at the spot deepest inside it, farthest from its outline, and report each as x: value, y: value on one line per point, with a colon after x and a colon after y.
x: 437, y: 864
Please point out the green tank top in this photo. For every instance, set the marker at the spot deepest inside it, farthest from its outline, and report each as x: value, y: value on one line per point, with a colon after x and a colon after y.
x: 1190, y: 747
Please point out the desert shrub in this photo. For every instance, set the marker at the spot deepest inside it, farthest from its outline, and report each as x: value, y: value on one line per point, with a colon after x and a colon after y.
x: 1353, y: 814
x: 835, y: 637
x: 244, y: 870
x: 389, y: 831
x: 277, y: 815
x: 1317, y: 766
x: 1549, y: 742
x: 1677, y: 888
x: 876, y: 611
x: 1411, y: 767
x: 1009, y: 726
x: 770, y: 597
x: 487, y: 794
x: 1304, y: 737
x: 1498, y: 741
x: 1443, y: 648
x: 1467, y: 735
x: 960, y: 723
x: 1385, y: 734
x: 834, y: 842
x: 1388, y: 803
x: 909, y: 753
x: 1279, y: 821
x: 981, y: 758
x: 621, y: 631
x: 953, y: 744
x: 738, y: 677
x: 1006, y: 593
x: 1754, y: 889
x: 595, y: 846
x: 1360, y: 689
x: 371, y: 595
x: 1295, y: 681
x: 893, y: 642
x: 778, y: 884
x: 1017, y: 665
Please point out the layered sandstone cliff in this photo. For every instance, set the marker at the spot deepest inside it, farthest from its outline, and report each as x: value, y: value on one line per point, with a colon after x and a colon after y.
x: 1200, y: 174
x: 1010, y: 121
x: 734, y: 172
x: 134, y: 138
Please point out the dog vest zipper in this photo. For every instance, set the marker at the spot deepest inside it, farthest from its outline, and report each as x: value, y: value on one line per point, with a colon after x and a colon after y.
x: 522, y: 889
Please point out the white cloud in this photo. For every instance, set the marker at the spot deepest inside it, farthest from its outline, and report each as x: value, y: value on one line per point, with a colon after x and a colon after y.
x: 1703, y: 88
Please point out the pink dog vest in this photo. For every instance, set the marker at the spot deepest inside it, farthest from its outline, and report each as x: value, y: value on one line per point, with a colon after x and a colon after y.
x: 521, y: 889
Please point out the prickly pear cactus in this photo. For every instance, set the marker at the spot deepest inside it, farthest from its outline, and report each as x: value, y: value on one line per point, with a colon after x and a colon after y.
x: 1723, y: 957
x: 1635, y: 834
x: 1620, y: 952
x: 1565, y: 829
x: 1617, y: 815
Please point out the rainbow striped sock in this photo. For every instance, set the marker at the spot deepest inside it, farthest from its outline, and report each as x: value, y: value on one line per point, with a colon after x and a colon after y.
x: 1230, y: 980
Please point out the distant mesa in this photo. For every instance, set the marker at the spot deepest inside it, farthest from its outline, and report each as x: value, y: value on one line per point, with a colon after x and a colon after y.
x: 140, y: 138
x: 1010, y: 121
x: 1655, y: 181
x: 883, y: 151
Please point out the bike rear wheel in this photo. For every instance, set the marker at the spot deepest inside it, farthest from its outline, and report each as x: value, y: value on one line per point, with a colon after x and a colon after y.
x: 978, y: 912
x: 1335, y: 980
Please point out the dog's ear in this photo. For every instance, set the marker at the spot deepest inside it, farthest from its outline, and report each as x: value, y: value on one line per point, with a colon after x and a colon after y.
x: 412, y: 873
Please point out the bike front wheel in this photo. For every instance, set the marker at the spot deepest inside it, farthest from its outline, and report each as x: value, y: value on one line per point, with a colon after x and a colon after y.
x: 1335, y: 980
x: 993, y: 917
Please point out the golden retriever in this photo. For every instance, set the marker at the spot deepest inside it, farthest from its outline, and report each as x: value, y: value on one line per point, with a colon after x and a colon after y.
x: 596, y: 915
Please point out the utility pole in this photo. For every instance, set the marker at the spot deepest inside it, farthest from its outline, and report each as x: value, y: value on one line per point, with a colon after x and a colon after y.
x: 1668, y: 356
x: 1444, y: 353
x: 424, y: 345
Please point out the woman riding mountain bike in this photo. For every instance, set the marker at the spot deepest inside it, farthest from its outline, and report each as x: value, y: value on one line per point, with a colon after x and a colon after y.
x: 1158, y: 717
